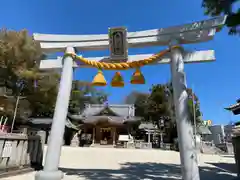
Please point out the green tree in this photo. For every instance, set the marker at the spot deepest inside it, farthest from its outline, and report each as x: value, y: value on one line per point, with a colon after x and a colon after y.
x: 43, y: 99
x: 158, y: 105
x: 20, y: 55
x: 42, y: 96
x: 194, y: 105
x: 151, y: 106
x: 225, y: 7
x: 140, y: 101
x: 131, y: 98
x: 83, y: 93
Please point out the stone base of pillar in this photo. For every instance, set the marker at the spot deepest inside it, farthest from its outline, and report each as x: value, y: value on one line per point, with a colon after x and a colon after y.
x: 75, y: 141
x: 63, y: 142
x: 49, y: 175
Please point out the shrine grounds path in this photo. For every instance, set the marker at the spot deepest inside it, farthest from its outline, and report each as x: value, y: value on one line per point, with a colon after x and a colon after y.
x: 134, y: 164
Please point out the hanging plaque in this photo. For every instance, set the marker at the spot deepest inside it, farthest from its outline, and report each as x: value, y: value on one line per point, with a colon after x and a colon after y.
x: 118, y: 43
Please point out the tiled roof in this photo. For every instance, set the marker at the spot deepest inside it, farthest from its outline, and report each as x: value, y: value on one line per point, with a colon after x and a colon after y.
x: 98, y: 119
x: 122, y: 113
x: 119, y: 109
x: 48, y: 121
x: 203, y: 130
x: 233, y: 107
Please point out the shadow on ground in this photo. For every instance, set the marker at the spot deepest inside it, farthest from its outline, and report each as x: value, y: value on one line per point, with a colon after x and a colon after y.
x: 228, y: 167
x: 149, y: 171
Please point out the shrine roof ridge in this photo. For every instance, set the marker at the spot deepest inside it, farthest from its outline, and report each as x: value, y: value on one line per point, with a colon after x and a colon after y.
x: 122, y: 110
x: 233, y: 107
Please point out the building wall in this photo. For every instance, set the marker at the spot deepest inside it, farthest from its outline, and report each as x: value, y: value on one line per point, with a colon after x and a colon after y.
x: 228, y: 132
x: 220, y: 134
x: 96, y: 132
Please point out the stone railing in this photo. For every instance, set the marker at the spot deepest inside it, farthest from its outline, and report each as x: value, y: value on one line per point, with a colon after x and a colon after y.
x: 142, y: 145
x: 20, y: 151
x: 138, y: 144
x: 130, y: 145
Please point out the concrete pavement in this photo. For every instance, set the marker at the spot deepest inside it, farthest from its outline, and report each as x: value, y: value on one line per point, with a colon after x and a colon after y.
x: 129, y: 164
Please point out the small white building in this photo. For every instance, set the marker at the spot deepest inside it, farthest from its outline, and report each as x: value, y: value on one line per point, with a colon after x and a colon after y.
x: 220, y: 134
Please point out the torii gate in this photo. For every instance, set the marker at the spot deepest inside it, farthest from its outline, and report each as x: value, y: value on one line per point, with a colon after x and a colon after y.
x: 184, y: 34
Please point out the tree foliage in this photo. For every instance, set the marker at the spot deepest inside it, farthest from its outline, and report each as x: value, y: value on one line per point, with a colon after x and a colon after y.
x: 42, y: 96
x: 158, y: 105
x: 194, y: 105
x: 140, y: 101
x: 20, y: 57
x: 83, y: 93
x: 19, y: 54
x: 226, y: 7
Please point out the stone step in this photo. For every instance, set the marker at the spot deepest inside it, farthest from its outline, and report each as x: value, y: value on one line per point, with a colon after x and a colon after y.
x: 102, y: 146
x: 207, y: 149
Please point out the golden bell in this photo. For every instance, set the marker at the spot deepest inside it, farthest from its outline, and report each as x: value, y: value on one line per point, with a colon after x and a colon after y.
x: 99, y: 79
x: 117, y: 80
x: 137, y: 77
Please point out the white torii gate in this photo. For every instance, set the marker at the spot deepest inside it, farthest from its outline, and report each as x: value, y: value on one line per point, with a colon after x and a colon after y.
x: 185, y: 34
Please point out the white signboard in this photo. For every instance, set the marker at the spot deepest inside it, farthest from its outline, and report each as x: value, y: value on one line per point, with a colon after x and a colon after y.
x: 118, y: 43
x: 7, y: 150
x: 123, y: 138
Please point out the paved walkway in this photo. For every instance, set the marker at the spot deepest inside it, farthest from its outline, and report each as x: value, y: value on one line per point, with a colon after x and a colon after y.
x: 130, y: 164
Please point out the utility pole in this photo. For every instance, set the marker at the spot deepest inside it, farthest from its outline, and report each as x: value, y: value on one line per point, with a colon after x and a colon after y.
x: 194, y: 117
x: 15, y: 113
x: 20, y: 85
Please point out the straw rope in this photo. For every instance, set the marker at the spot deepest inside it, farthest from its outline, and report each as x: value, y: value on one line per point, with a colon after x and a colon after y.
x: 120, y: 65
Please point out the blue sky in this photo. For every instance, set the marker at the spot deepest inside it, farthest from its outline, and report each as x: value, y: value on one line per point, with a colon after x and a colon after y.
x: 216, y: 84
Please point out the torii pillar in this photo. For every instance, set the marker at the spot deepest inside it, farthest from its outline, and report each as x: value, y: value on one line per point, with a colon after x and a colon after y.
x: 188, y: 153
x: 50, y: 170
